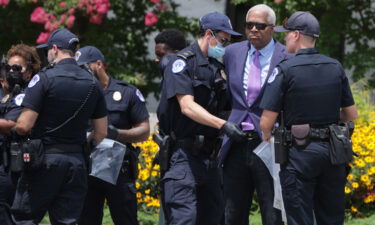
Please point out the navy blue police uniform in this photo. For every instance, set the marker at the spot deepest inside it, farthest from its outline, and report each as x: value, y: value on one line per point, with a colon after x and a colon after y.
x: 59, y: 187
x: 9, y: 110
x: 190, y: 188
x: 310, y: 89
x: 126, y: 108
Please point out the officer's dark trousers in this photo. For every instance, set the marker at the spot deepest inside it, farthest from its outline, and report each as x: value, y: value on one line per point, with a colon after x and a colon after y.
x: 244, y: 173
x: 5, y: 195
x: 311, y: 183
x: 59, y: 188
x: 121, y: 200
x: 191, y: 191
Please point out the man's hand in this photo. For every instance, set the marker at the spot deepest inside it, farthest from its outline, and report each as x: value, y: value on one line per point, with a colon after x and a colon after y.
x: 112, y: 132
x: 233, y: 131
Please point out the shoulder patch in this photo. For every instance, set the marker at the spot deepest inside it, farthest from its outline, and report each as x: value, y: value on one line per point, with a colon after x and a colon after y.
x: 139, y: 95
x: 77, y: 55
x: 178, y: 65
x: 273, y: 75
x: 33, y: 81
x: 186, y: 55
x: 18, y: 99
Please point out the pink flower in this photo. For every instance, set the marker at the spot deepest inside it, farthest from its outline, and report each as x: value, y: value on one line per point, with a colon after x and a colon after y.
x: 43, y: 38
x: 62, y: 18
x: 70, y: 21
x: 80, y: 5
x: 62, y: 4
x: 96, y: 18
x: 71, y: 11
x: 51, y: 26
x: 38, y: 15
x: 155, y: 1
x: 4, y: 2
x: 150, y: 19
x: 162, y: 7
x: 102, y: 9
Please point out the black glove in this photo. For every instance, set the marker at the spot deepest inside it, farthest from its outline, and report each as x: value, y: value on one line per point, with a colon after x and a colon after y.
x: 112, y: 132
x: 233, y: 131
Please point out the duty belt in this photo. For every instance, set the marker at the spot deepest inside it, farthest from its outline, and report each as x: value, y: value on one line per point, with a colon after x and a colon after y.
x: 196, y: 145
x: 315, y: 133
x: 63, y: 148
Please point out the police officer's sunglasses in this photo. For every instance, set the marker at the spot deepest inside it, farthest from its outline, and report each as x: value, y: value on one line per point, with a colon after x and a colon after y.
x: 258, y: 26
x: 14, y: 68
x: 225, y: 42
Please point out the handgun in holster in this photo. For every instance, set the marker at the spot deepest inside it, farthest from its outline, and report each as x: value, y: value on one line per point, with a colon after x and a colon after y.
x: 280, y: 143
x: 132, y: 162
x: 87, y: 150
x: 164, y: 148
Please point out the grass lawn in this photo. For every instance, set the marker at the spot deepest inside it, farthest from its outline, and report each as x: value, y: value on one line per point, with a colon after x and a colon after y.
x: 146, y: 219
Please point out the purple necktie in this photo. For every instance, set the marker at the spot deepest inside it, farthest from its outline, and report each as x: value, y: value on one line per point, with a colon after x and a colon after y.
x: 253, y: 87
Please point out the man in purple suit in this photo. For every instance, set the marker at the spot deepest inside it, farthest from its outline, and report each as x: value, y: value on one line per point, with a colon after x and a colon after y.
x: 248, y: 65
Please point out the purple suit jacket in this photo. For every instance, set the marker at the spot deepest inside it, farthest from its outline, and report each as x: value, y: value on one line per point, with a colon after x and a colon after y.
x: 234, y: 60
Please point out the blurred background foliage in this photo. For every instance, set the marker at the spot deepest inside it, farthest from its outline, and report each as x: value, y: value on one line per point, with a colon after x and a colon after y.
x: 122, y: 35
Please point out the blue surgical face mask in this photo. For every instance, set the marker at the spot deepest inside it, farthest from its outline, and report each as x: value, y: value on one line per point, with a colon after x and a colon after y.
x: 216, y: 52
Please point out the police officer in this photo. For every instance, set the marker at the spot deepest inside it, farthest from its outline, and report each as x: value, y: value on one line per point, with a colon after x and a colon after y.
x: 313, y: 92
x: 168, y: 42
x: 128, y: 119
x: 193, y: 82
x: 23, y: 62
x: 58, y: 103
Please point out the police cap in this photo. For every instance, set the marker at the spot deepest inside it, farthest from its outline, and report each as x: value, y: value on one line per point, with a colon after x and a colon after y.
x: 304, y: 22
x: 63, y: 39
x: 88, y: 54
x: 217, y: 21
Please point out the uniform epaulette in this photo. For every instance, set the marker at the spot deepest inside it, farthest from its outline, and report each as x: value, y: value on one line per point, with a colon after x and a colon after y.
x: 186, y: 55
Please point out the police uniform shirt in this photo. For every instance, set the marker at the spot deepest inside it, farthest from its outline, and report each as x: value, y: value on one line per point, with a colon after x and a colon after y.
x: 125, y: 104
x: 191, y: 75
x: 309, y: 88
x: 56, y: 94
x: 11, y: 109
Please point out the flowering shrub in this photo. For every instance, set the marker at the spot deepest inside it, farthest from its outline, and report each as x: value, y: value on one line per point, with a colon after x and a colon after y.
x: 120, y: 29
x: 147, y: 184
x: 360, y: 188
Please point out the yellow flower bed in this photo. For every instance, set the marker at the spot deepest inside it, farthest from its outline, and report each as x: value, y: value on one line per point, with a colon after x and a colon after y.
x: 360, y: 188
x: 148, y: 178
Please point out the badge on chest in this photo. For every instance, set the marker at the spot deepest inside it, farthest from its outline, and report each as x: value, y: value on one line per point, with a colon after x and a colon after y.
x: 116, y: 96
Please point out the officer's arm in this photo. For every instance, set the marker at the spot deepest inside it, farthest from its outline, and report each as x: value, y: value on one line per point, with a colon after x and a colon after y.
x: 6, y: 125
x: 197, y: 113
x: 139, y: 132
x: 348, y: 113
x: 267, y: 121
x: 26, y: 121
x: 99, y: 129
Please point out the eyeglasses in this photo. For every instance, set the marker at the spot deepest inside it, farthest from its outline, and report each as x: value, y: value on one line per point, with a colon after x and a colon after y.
x: 224, y: 41
x: 258, y: 26
x: 14, y: 68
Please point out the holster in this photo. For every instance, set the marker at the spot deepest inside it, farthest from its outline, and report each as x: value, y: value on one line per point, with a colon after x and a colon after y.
x: 341, y: 151
x: 281, y: 146
x: 132, y: 155
x: 87, y: 150
x: 164, y: 150
x: 301, y: 135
